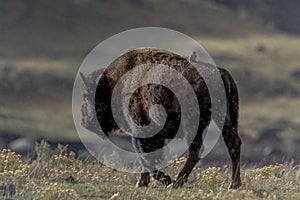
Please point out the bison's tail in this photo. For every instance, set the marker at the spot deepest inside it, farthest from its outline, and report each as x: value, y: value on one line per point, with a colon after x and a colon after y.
x: 232, y: 97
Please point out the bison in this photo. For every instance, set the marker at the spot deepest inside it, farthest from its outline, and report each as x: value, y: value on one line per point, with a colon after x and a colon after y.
x: 150, y: 94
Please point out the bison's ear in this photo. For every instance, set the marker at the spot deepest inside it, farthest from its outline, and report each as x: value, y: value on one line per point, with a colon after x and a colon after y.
x: 84, y: 79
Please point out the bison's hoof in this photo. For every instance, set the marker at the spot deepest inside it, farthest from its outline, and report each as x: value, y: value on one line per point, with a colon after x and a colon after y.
x: 141, y: 184
x: 166, y: 181
x: 235, y: 185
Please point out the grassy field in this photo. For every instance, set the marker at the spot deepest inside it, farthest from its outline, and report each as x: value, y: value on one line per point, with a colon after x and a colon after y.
x: 40, y: 56
x: 57, y: 174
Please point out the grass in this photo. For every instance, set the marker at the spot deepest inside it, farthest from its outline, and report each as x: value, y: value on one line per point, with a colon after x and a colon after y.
x: 45, y: 46
x: 57, y: 174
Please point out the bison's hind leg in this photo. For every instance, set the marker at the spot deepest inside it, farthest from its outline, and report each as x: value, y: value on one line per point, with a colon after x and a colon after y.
x: 230, y: 128
x: 233, y: 143
x: 232, y: 140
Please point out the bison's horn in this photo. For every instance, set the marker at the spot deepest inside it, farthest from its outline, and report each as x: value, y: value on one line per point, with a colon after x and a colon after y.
x: 84, y: 79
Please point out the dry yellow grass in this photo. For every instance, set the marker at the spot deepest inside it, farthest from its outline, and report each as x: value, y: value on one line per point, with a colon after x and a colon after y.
x: 59, y: 175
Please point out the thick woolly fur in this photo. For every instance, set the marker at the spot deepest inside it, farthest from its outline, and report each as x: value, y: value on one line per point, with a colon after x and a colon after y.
x: 149, y: 94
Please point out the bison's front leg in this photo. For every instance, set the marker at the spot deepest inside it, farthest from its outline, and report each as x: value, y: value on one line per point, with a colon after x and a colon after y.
x: 192, y: 160
x: 145, y: 146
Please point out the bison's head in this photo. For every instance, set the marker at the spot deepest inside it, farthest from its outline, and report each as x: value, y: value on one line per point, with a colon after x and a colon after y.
x: 88, y: 114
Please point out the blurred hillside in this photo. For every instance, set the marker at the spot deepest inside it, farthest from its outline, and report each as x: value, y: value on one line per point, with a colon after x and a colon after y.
x: 284, y: 15
x: 72, y: 27
x: 43, y: 43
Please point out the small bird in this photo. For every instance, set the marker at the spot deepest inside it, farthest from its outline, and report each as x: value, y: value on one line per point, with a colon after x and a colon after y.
x: 193, y: 57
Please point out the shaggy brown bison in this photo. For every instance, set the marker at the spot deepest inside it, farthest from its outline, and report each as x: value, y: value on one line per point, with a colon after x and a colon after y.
x: 147, y: 95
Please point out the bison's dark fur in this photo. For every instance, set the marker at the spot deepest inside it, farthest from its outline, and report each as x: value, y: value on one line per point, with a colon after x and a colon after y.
x: 147, y: 95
